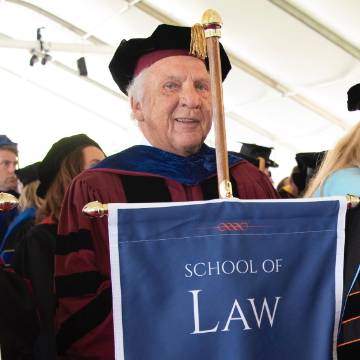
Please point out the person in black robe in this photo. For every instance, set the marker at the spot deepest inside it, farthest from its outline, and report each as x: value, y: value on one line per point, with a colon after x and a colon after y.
x: 34, y: 257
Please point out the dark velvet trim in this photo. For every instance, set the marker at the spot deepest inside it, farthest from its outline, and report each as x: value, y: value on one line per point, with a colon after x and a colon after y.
x: 66, y: 244
x: 352, y: 308
x: 85, y: 320
x: 78, y: 284
x: 234, y: 187
x: 352, y: 248
x: 210, y: 188
x: 349, y: 352
x: 144, y: 189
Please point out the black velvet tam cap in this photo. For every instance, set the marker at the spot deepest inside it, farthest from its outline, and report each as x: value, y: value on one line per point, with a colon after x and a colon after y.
x: 252, y: 151
x: 310, y: 160
x: 353, y: 102
x: 50, y: 165
x: 307, y: 166
x: 165, y: 37
x: 28, y: 173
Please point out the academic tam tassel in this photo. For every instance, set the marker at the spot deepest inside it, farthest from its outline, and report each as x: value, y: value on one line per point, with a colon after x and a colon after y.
x: 198, y: 42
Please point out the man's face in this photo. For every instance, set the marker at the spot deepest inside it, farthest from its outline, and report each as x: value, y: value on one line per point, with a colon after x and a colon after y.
x: 175, y: 112
x: 8, y: 163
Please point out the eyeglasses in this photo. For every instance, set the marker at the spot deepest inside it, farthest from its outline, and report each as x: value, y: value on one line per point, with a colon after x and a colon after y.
x: 7, y: 163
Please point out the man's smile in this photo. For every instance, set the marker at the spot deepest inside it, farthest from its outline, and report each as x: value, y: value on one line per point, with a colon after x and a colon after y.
x: 185, y: 120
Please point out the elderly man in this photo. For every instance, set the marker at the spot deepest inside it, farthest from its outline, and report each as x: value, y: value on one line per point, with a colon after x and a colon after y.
x: 170, y: 97
x: 8, y: 179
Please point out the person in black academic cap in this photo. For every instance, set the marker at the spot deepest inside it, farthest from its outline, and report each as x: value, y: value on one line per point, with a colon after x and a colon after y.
x: 294, y: 185
x: 29, y: 202
x: 307, y: 166
x: 259, y: 156
x: 34, y: 257
x: 170, y: 98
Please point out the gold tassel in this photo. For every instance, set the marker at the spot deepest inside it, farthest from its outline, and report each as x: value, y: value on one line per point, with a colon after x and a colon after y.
x: 198, y: 42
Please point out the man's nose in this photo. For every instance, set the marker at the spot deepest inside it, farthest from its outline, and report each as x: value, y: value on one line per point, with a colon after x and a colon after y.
x: 11, y: 168
x: 190, y: 97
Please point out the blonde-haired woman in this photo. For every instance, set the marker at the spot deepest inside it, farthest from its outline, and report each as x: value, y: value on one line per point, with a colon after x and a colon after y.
x: 339, y: 173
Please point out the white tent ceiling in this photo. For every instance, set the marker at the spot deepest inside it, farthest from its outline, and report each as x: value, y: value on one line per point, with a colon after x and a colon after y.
x: 293, y: 62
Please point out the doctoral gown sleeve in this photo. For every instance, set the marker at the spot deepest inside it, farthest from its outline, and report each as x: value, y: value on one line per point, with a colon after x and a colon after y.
x: 82, y: 271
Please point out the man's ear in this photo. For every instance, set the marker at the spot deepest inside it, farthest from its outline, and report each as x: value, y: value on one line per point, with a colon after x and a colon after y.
x: 136, y: 109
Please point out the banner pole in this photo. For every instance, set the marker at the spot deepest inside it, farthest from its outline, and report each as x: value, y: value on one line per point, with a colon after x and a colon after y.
x: 211, y: 22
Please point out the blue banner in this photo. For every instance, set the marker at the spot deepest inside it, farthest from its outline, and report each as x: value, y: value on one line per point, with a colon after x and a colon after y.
x: 227, y: 279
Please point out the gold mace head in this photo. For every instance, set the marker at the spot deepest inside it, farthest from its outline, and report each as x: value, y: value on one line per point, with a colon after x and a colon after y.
x: 211, y: 16
x: 95, y: 209
x: 8, y: 201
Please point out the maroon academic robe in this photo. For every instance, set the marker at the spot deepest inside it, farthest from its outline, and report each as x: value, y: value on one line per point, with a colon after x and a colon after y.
x: 82, y: 266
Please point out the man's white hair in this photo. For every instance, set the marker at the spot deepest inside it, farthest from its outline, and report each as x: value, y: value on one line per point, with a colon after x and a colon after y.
x: 136, y: 87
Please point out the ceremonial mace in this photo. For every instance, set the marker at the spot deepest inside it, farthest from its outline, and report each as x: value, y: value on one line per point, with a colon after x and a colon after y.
x: 211, y: 28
